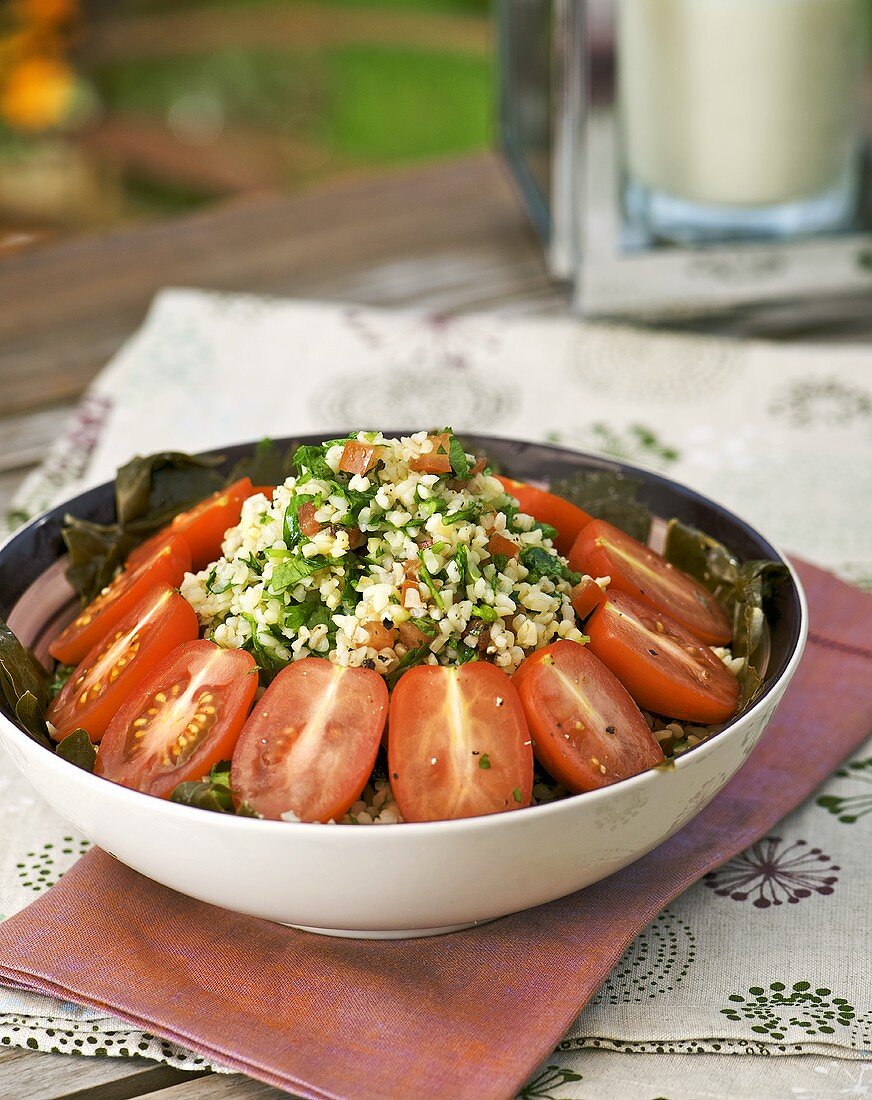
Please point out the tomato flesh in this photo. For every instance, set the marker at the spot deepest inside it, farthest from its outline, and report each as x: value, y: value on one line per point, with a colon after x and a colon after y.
x: 306, y: 519
x: 182, y: 719
x: 379, y: 636
x: 435, y: 461
x: 662, y: 664
x: 311, y: 741
x: 458, y: 744
x: 548, y: 508
x: 168, y: 564
x: 118, y: 663
x: 587, y: 731
x: 586, y: 596
x: 499, y: 544
x: 358, y: 458
x: 605, y: 551
x: 202, y: 527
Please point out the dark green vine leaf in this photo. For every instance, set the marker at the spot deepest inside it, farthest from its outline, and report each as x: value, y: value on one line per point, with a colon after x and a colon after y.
x: 208, y: 794
x: 743, y: 589
x: 78, y: 748
x: 608, y: 495
x: 23, y: 692
x: 150, y: 491
x: 96, y: 554
x: 268, y: 465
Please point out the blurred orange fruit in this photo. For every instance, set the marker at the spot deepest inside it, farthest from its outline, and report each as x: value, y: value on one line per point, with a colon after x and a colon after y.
x: 37, y: 93
x: 48, y: 11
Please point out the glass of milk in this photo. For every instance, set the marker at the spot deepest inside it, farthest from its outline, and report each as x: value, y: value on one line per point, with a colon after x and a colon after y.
x: 741, y: 118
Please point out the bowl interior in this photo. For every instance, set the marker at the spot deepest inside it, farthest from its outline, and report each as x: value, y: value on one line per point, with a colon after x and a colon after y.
x: 33, y: 555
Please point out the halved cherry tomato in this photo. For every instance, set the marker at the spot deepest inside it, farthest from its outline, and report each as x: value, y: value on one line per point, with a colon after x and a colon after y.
x: 458, y: 744
x: 435, y: 461
x: 182, y: 719
x: 358, y: 458
x: 311, y: 742
x: 663, y: 666
x: 548, y: 508
x: 605, y: 551
x: 168, y: 564
x: 585, y: 596
x: 587, y: 731
x: 202, y: 527
x: 102, y: 681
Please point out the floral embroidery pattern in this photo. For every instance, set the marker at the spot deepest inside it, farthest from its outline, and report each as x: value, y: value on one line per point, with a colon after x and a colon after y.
x: 822, y: 401
x: 426, y: 339
x: 542, y: 1086
x: 851, y: 807
x: 770, y: 873
x: 815, y: 1011
x: 402, y: 398
x: 636, y: 443
x: 654, y: 963
x: 43, y: 867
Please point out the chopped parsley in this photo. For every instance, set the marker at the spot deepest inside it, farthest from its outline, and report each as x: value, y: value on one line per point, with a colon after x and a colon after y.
x: 457, y: 457
x: 541, y: 563
x: 484, y: 762
x: 289, y: 573
x: 485, y: 612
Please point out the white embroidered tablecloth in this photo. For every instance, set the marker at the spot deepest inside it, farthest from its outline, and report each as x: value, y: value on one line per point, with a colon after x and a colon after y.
x: 769, y: 955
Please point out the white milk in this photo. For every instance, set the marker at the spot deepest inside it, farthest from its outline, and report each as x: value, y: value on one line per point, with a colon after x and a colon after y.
x: 740, y: 102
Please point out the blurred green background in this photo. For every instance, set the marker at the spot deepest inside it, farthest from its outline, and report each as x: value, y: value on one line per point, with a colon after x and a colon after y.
x: 174, y: 105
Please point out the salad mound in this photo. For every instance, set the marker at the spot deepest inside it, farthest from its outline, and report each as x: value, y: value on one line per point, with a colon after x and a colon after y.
x: 386, y: 630
x: 386, y: 553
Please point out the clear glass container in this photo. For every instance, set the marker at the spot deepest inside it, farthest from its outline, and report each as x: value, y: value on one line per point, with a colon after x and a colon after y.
x: 740, y: 119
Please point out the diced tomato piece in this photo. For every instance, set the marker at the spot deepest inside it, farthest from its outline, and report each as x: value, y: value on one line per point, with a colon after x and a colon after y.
x: 356, y: 538
x: 379, y: 636
x: 311, y: 741
x: 458, y: 744
x: 410, y: 635
x: 358, y: 458
x: 437, y: 460
x: 499, y: 544
x: 587, y: 731
x: 306, y: 519
x: 548, y: 508
x: 602, y: 550
x: 117, y: 665
x: 665, y: 667
x: 586, y: 596
x: 182, y: 719
x: 168, y: 565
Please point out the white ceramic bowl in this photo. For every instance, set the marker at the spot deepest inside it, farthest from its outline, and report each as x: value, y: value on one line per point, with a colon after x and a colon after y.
x: 395, y: 880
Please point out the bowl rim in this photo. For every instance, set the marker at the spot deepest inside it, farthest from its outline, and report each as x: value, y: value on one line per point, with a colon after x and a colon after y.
x: 418, y: 829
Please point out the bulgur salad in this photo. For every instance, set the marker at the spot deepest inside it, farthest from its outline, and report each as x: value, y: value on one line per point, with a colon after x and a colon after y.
x: 371, y: 557
x: 393, y: 631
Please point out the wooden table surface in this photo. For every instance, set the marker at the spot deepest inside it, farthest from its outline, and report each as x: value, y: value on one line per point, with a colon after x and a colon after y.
x: 447, y: 237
